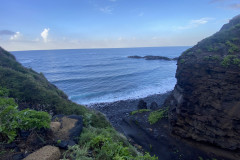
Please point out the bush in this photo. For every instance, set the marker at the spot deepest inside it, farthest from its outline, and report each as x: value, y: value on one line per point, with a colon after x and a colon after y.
x: 11, y: 119
x: 230, y: 59
x: 106, y: 144
x: 30, y: 119
x: 157, y: 115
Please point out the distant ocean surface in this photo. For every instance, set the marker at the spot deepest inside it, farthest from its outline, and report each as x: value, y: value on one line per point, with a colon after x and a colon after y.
x: 105, y: 75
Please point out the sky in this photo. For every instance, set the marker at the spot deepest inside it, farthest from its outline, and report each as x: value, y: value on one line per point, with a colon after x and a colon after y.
x: 75, y: 24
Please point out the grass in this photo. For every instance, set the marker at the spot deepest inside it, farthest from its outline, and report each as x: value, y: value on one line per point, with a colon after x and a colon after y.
x: 155, y: 116
x: 140, y: 111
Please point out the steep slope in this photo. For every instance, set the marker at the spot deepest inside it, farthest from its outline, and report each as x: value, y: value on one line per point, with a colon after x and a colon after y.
x: 32, y: 90
x: 205, y: 103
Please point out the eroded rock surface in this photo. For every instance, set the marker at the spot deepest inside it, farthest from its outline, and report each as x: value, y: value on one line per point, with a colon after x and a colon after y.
x: 205, y: 104
x: 45, y: 153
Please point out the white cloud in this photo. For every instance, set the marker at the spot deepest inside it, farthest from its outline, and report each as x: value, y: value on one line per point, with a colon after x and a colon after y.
x: 44, y: 34
x: 200, y: 21
x: 107, y: 9
x: 16, y: 36
x: 194, y: 23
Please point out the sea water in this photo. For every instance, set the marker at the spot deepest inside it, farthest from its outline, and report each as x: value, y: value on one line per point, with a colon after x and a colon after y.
x: 105, y: 75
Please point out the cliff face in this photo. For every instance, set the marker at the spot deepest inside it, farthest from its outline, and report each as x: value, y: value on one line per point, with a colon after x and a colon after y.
x: 205, y: 104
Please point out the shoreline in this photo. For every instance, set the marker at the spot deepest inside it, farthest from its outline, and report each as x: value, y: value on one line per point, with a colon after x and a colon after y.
x: 118, y: 110
x: 157, y: 139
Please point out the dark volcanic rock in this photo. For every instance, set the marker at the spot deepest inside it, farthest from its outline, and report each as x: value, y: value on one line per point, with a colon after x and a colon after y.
x: 157, y: 58
x: 138, y: 57
x: 205, y: 103
x: 142, y: 104
x: 154, y: 58
x: 153, y: 105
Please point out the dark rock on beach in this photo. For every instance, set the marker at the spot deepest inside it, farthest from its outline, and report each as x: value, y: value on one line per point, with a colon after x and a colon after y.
x: 142, y: 104
x: 205, y: 103
x: 157, y: 138
x: 153, y: 106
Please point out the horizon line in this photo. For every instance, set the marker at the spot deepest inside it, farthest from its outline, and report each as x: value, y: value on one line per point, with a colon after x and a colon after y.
x: 97, y: 48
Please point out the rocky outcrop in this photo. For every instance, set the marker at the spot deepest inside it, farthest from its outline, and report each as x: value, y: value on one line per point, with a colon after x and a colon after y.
x: 205, y: 103
x: 154, y: 58
x: 66, y: 130
x: 45, y: 153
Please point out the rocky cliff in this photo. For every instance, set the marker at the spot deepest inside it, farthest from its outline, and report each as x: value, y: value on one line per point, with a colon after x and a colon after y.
x: 205, y: 103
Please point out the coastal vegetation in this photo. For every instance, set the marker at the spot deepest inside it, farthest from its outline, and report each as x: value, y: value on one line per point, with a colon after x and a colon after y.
x: 155, y: 116
x: 104, y: 144
x: 12, y: 120
x: 27, y: 102
x: 140, y: 111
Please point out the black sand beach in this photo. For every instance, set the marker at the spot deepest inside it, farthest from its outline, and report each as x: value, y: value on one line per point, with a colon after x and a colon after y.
x: 157, y: 138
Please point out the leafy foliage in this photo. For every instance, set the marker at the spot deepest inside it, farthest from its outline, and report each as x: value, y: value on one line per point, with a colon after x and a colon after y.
x: 157, y: 115
x: 31, y: 119
x: 28, y: 86
x: 11, y: 119
x: 105, y: 144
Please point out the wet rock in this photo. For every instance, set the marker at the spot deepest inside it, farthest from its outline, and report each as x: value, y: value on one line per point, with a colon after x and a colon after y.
x: 142, y: 104
x: 45, y: 153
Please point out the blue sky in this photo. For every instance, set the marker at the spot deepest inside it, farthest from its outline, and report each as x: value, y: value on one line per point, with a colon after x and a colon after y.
x: 62, y: 24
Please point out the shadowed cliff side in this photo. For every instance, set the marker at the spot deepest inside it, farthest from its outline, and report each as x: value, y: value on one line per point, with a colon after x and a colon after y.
x: 205, y: 103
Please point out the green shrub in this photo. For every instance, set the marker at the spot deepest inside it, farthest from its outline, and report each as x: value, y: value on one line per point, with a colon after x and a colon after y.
x: 232, y: 47
x: 107, y: 144
x: 157, y: 115
x: 11, y: 119
x: 30, y: 119
x: 140, y: 111
x: 230, y: 59
x: 8, y: 122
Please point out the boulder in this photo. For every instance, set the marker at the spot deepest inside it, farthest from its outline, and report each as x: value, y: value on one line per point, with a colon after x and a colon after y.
x: 153, y: 106
x: 45, y: 153
x: 55, y: 126
x: 66, y: 128
x: 142, y: 104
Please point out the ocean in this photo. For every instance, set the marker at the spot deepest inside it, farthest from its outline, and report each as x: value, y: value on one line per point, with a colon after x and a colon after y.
x: 90, y: 76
